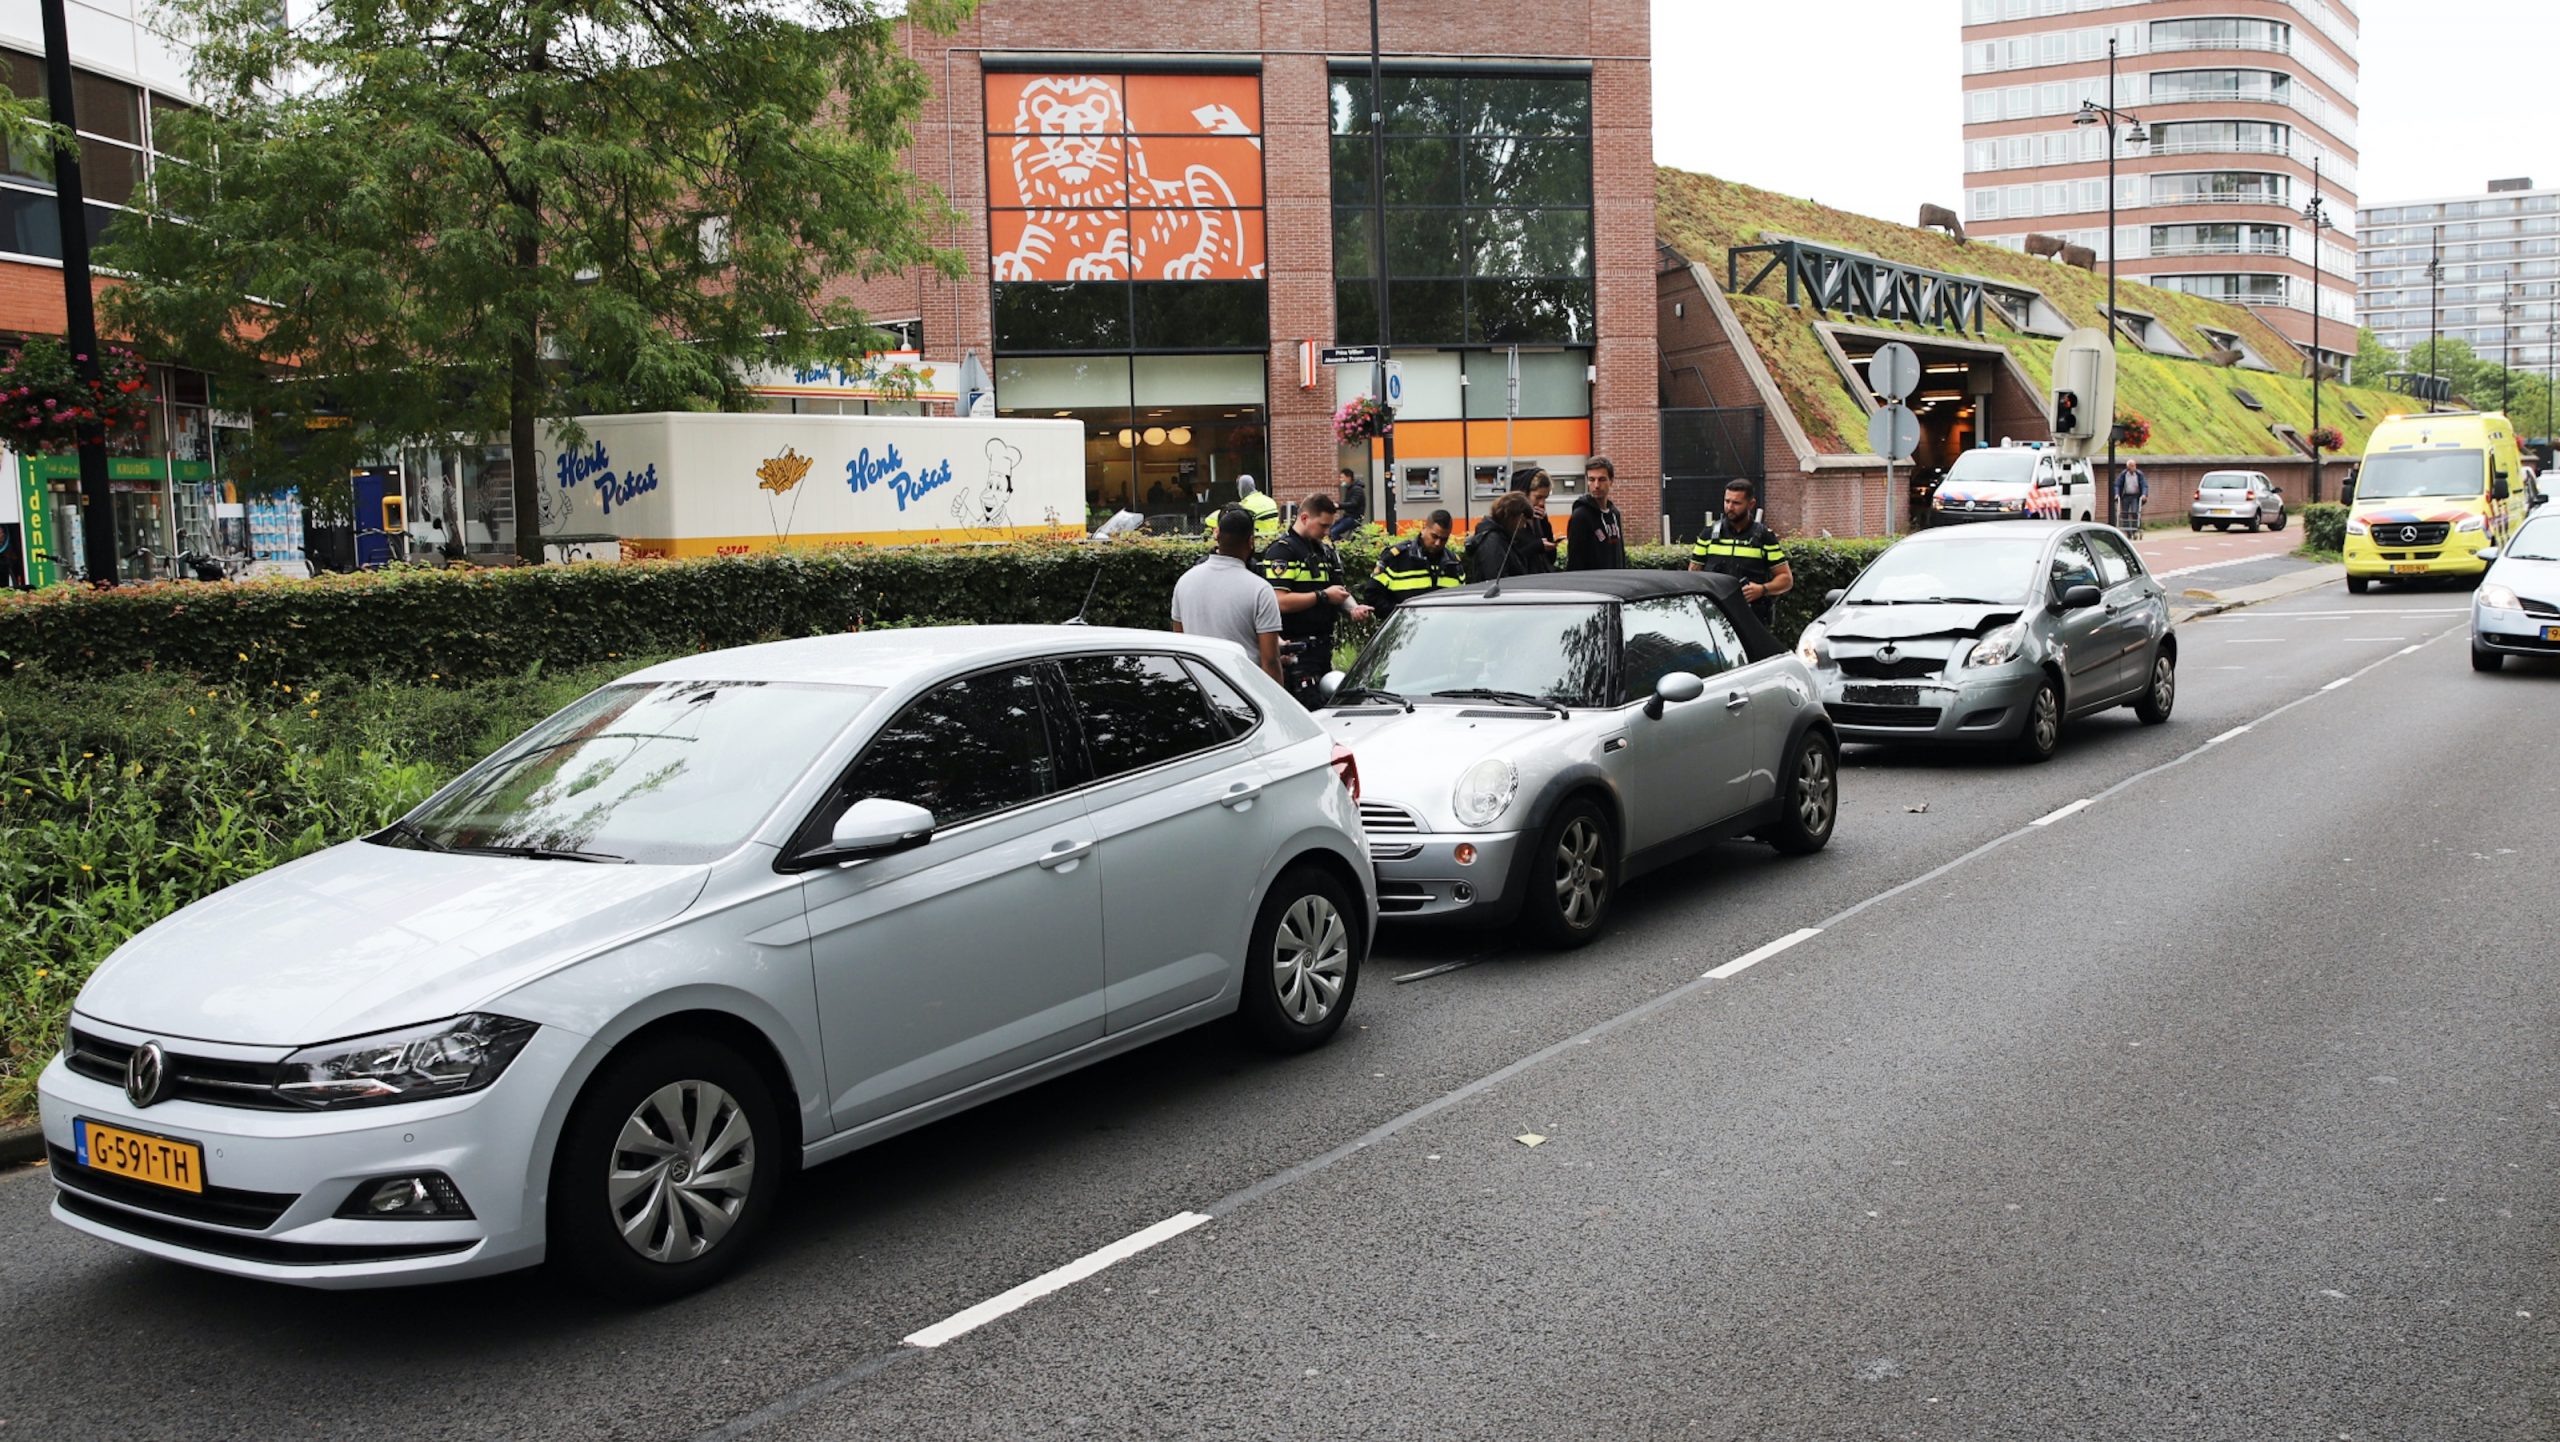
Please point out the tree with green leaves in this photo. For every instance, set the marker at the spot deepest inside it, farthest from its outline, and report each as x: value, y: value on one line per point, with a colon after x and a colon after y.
x: 2374, y: 360
x: 441, y: 219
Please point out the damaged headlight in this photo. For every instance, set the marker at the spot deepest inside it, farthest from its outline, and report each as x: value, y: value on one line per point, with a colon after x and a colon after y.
x: 2000, y: 647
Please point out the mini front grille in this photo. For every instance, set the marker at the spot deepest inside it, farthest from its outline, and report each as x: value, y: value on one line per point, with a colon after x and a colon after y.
x: 1378, y: 816
x: 216, y: 1206
x: 213, y: 1080
x: 1852, y: 713
x: 1404, y: 896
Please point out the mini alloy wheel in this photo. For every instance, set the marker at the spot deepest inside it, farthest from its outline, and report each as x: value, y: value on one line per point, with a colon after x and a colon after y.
x: 1808, y: 797
x: 1574, y: 877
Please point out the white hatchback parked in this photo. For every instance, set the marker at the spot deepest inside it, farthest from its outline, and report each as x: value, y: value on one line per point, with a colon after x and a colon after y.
x: 725, y: 918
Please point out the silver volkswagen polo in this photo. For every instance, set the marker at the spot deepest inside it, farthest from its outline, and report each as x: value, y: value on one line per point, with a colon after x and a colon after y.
x: 1527, y: 747
x: 1995, y: 634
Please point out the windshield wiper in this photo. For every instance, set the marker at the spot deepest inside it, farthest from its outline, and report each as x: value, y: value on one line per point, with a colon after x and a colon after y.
x: 411, y: 831
x: 1507, y: 698
x: 1371, y: 693
x: 543, y: 853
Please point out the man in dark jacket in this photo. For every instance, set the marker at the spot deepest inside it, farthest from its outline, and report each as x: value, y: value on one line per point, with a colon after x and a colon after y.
x: 1538, y: 542
x: 1594, y: 538
x: 1415, y: 566
x: 1355, y: 506
x: 1496, y: 549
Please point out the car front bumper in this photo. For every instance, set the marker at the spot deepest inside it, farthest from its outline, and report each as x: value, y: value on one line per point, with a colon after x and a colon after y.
x: 1981, y: 706
x: 274, y: 1180
x: 2456, y: 555
x: 2513, y: 633
x: 1421, y: 879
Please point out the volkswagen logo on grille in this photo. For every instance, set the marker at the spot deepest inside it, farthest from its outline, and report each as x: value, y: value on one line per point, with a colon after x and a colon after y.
x: 145, y: 1072
x: 2408, y: 535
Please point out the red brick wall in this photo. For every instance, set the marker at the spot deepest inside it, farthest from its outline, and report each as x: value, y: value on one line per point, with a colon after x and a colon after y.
x: 31, y: 298
x: 1293, y: 37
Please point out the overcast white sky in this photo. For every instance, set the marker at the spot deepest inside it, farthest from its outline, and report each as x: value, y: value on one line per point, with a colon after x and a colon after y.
x: 1858, y: 103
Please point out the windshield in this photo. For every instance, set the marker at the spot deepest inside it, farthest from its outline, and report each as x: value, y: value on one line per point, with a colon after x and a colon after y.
x: 2538, y: 541
x: 1978, y: 467
x: 2421, y: 473
x: 1995, y: 570
x: 1552, y: 652
x: 675, y: 773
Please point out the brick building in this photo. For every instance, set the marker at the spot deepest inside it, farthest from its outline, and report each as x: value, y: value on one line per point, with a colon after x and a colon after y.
x: 1161, y: 212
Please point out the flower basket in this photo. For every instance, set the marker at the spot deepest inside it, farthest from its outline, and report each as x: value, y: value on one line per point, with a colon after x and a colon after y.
x: 2327, y: 439
x: 44, y: 401
x: 1362, y: 418
x: 2132, y: 430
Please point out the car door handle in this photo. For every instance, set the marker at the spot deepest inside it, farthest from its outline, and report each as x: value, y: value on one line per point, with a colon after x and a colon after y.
x: 1065, y: 853
x: 1737, y: 700
x: 1240, y: 795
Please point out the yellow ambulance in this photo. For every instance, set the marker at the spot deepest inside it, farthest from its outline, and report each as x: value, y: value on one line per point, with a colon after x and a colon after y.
x: 2431, y: 491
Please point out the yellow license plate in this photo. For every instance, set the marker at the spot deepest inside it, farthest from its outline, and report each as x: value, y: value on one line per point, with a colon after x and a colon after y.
x: 2551, y: 633
x: 161, y: 1161
x: 2418, y: 570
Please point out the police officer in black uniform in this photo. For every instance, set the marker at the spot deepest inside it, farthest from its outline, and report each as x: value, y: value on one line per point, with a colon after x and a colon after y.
x: 1307, y: 572
x: 1738, y: 545
x: 1416, y: 566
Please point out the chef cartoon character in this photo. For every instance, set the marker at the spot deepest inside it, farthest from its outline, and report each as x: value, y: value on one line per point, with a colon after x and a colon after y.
x: 990, y: 507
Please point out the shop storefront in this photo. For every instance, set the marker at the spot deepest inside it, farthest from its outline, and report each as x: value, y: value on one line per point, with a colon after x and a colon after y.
x: 146, y: 496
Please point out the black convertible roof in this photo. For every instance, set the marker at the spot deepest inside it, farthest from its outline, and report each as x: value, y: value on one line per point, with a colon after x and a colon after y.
x: 1725, y: 591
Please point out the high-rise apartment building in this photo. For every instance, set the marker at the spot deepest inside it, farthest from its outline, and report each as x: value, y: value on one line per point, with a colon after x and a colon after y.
x: 2500, y: 290
x: 2238, y: 100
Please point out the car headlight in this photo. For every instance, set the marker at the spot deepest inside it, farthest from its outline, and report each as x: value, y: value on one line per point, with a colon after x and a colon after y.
x: 1811, y: 647
x: 2498, y: 596
x: 1485, y: 792
x: 2357, y: 528
x: 2000, y: 647
x: 439, y: 1059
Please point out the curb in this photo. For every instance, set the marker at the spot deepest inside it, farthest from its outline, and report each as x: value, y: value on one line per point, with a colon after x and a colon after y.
x: 2211, y: 603
x: 21, y: 1145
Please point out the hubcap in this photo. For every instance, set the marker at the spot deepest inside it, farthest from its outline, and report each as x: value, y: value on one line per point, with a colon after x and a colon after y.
x: 1310, y: 959
x: 2164, y: 684
x: 681, y: 1171
x: 1814, y: 788
x: 1582, y: 874
x: 2048, y: 719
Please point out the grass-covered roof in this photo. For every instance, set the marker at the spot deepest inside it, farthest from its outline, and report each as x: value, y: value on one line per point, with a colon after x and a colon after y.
x: 2188, y: 402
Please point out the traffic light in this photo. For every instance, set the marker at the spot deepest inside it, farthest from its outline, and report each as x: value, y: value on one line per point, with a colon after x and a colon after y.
x: 2066, y: 413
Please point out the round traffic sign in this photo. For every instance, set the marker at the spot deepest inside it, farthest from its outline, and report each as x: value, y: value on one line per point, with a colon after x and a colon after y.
x: 1893, y: 432
x: 1894, y: 370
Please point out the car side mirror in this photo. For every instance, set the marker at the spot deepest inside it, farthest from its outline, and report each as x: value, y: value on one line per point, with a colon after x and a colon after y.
x: 1678, y: 688
x: 2498, y: 487
x: 1832, y: 598
x: 1325, y: 688
x: 2081, y: 597
x: 873, y: 826
x: 2488, y: 554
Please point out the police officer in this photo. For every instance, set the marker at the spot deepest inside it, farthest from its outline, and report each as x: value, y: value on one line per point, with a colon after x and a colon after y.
x: 1415, y: 566
x: 1307, y: 572
x: 1249, y: 498
x: 1738, y: 545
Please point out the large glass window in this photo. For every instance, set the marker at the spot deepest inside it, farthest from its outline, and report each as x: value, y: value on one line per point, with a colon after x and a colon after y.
x: 115, y: 157
x: 1488, y: 193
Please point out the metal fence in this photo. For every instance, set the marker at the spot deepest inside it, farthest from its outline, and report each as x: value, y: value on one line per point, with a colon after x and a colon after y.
x: 1702, y: 448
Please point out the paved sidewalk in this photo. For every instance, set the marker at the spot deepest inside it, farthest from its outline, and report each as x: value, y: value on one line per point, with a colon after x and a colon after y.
x: 2189, y: 603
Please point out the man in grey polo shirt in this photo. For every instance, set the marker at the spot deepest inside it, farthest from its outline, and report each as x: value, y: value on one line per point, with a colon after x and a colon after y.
x: 1224, y: 597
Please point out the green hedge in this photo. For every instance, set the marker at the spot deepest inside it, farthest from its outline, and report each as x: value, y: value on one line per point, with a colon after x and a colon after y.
x: 422, y: 625
x: 2324, y: 527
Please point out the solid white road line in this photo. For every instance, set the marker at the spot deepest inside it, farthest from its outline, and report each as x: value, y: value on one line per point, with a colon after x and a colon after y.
x: 2255, y: 641
x: 960, y: 1324
x: 2225, y: 736
x: 2334, y: 685
x: 1750, y: 959
x: 2405, y: 650
x: 2051, y: 817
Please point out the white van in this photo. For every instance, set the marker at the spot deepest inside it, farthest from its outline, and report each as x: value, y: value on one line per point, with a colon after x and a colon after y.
x: 2011, y: 483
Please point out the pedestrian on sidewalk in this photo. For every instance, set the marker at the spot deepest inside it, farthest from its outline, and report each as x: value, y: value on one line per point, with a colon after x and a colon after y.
x: 2132, y: 489
x: 1223, y: 597
x: 1538, y: 543
x: 1355, y: 507
x: 1496, y: 549
x: 1594, y: 537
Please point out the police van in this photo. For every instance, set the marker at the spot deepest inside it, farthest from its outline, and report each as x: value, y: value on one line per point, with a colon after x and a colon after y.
x: 2018, y: 482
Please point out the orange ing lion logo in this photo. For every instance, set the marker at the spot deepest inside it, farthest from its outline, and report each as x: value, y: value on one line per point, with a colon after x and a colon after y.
x: 1108, y: 217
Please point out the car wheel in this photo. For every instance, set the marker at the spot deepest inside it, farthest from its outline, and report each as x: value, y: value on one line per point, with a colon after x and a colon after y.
x: 1303, y: 964
x: 1808, y: 797
x: 2041, y: 733
x: 666, y: 1170
x: 2196, y: 526
x: 2279, y: 521
x: 2162, y: 694
x: 2486, y: 660
x: 2356, y: 585
x: 1573, y: 877
x: 2255, y: 521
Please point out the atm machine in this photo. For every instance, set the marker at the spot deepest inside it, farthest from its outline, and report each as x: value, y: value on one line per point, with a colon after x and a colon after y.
x: 1488, y: 483
x: 1421, y: 483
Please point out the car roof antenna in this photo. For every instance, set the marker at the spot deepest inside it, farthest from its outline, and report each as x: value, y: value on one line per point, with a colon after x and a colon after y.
x: 1078, y: 618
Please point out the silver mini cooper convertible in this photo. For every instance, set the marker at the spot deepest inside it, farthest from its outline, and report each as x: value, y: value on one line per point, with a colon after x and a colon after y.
x: 1526, y: 747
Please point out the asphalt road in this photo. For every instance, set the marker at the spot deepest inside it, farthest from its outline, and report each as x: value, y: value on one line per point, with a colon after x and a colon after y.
x: 2221, y: 1107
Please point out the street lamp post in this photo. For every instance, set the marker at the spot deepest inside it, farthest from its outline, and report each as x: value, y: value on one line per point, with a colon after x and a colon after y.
x: 2506, y: 328
x: 1378, y: 250
x: 79, y: 305
x: 2092, y: 113
x: 2316, y: 215
x: 2435, y: 291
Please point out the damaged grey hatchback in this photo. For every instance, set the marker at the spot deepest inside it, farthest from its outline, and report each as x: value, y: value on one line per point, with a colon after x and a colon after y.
x: 1995, y: 634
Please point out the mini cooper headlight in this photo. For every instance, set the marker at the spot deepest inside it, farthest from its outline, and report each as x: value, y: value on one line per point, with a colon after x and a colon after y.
x: 439, y: 1059
x: 1485, y: 791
